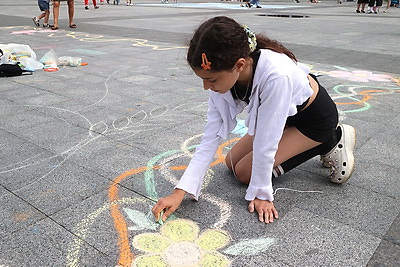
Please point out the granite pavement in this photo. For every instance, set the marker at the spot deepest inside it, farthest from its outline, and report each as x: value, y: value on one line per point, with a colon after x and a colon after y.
x: 86, y: 151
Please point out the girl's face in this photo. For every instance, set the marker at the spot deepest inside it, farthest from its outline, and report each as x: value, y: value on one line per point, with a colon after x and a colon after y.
x: 220, y: 81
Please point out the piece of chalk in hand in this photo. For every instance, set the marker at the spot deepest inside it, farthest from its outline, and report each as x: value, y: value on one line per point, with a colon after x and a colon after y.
x: 160, y: 221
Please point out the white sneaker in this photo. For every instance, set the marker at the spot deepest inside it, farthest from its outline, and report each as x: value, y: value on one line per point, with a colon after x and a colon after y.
x: 341, y: 159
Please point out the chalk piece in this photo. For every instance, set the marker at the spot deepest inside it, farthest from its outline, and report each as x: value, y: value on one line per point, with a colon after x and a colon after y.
x: 160, y: 221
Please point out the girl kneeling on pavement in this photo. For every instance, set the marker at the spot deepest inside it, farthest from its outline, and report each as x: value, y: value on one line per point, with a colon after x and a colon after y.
x: 291, y: 118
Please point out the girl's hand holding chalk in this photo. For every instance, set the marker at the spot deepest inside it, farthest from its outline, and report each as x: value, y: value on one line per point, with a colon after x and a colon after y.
x: 167, y: 205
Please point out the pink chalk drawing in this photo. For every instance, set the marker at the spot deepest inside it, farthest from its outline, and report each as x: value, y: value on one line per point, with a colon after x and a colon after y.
x: 360, y: 76
x: 31, y: 32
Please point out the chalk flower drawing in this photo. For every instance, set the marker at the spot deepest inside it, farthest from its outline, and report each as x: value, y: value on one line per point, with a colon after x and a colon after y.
x: 360, y: 76
x: 179, y: 244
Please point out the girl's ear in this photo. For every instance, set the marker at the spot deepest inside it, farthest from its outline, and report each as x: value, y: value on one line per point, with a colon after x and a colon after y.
x: 240, y: 63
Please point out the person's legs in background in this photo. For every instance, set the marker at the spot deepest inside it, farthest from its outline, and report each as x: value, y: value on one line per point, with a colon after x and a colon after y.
x: 45, y: 7
x: 56, y: 13
x: 255, y: 2
x: 95, y: 4
x: 71, y: 10
x: 87, y: 4
x: 387, y: 6
x: 371, y: 6
x: 378, y: 6
x: 46, y: 18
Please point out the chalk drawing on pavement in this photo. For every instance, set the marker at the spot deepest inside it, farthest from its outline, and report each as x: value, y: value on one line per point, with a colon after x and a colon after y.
x: 128, y: 219
x: 62, y: 153
x: 27, y: 30
x: 356, y: 96
x: 359, y: 95
x: 360, y: 76
x: 84, y: 37
x: 179, y: 244
x: 32, y: 32
x: 130, y: 222
x: 121, y: 208
x: 175, y: 236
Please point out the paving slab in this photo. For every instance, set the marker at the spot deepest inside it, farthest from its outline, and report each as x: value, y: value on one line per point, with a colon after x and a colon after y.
x: 45, y: 243
x: 86, y: 151
x: 17, y: 214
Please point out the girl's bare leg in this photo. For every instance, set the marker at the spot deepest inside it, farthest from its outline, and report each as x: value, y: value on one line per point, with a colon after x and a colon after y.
x: 292, y: 143
x: 242, y: 148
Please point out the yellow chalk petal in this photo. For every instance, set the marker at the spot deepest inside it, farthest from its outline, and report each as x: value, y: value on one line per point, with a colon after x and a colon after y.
x: 215, y: 259
x: 213, y: 239
x: 180, y: 230
x: 151, y: 242
x: 149, y: 261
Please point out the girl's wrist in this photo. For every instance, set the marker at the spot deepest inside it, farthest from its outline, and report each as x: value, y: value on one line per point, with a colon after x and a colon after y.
x: 179, y: 192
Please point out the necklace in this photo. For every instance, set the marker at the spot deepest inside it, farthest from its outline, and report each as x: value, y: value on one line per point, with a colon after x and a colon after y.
x: 248, y: 86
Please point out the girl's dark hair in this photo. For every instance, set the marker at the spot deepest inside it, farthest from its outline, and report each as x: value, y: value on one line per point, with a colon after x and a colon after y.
x: 224, y: 41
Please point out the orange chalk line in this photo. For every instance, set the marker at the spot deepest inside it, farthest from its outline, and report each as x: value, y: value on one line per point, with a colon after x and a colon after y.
x: 365, y: 98
x: 125, y: 254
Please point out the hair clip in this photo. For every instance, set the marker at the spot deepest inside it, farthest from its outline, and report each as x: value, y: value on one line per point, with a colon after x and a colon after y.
x: 251, y: 38
x: 205, y: 63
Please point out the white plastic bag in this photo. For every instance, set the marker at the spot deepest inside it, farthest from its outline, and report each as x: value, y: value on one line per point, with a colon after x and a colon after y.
x: 30, y: 64
x: 13, y: 53
x: 69, y: 61
x: 17, y: 51
x: 5, y: 57
x: 49, y: 58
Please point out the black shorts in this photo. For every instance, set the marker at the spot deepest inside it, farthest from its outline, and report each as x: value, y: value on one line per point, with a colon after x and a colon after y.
x: 319, y: 120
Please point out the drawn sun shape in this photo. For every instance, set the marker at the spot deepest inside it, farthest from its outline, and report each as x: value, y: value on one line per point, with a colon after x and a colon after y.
x: 179, y: 244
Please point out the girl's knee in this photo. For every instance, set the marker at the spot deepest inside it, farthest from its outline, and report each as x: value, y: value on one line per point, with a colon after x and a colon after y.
x: 244, y: 179
x: 242, y: 174
x: 228, y: 161
x: 232, y: 167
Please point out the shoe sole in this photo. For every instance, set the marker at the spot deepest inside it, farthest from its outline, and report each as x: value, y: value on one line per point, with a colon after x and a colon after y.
x: 348, y: 161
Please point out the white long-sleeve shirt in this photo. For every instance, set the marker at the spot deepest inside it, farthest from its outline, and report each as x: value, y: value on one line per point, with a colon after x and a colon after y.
x: 279, y: 85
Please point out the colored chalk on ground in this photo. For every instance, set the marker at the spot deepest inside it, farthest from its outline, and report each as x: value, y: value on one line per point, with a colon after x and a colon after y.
x: 51, y: 69
x: 84, y: 63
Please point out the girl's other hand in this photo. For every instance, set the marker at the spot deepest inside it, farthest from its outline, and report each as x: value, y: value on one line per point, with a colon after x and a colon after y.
x: 168, y: 204
x: 265, y: 209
